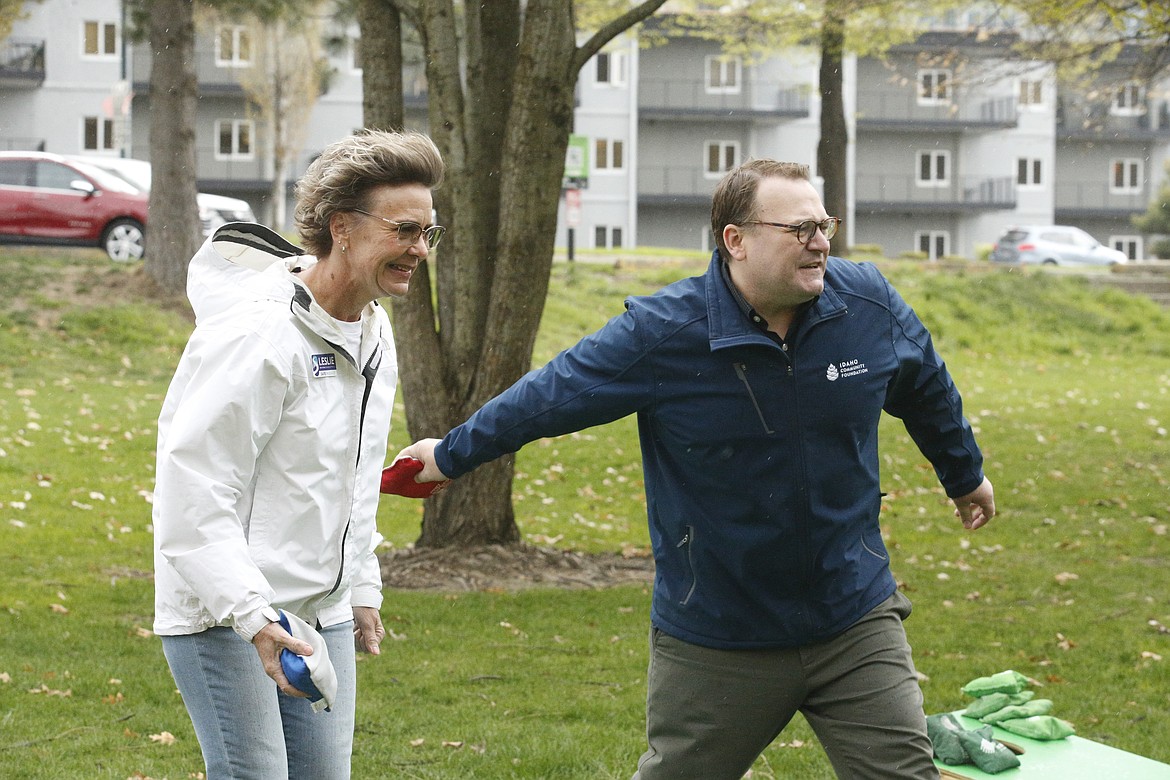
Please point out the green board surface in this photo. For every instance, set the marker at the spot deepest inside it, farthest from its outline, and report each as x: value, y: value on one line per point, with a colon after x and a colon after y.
x: 1071, y: 758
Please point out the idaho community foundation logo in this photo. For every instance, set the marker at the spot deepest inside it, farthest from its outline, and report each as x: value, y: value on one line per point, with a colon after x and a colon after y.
x: 324, y: 364
x: 846, y: 369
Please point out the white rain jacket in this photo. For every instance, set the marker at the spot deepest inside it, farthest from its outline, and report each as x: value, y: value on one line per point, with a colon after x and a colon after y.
x: 271, y: 442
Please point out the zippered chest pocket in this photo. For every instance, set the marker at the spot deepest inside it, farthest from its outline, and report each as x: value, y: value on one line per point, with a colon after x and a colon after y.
x: 758, y: 393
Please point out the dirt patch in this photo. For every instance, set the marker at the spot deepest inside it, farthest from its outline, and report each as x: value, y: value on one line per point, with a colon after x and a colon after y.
x: 512, y: 567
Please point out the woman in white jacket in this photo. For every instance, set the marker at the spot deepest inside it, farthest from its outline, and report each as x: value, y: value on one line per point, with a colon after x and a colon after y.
x: 271, y: 442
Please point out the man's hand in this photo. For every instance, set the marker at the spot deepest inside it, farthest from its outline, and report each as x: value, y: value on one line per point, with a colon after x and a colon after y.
x: 424, y: 450
x: 977, y: 507
x: 269, y: 641
x: 367, y: 630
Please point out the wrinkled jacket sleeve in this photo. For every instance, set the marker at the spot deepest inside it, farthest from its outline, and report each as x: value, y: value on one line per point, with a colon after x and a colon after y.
x: 602, y: 378
x: 923, y: 395
x: 230, y: 403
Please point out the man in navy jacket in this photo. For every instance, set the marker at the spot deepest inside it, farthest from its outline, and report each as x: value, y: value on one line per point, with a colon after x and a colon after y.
x: 758, y: 389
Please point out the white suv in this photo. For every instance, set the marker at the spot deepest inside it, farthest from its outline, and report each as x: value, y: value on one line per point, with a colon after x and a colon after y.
x: 1053, y: 245
x: 214, y: 210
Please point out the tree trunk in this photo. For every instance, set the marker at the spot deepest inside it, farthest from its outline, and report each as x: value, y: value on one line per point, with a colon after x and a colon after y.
x: 381, y: 28
x: 503, y: 132
x: 832, y: 149
x: 173, y: 233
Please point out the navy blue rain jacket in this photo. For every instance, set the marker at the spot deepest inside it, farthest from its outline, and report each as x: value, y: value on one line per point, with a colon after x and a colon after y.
x: 761, y: 461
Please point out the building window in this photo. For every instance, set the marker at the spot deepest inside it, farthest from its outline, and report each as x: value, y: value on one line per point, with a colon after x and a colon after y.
x: 1028, y: 172
x: 1129, y: 99
x: 934, y: 87
x: 611, y: 68
x: 935, y: 243
x: 723, y: 74
x: 1126, y: 176
x: 934, y: 168
x: 605, y: 237
x: 233, y: 139
x: 1031, y: 93
x: 355, y: 55
x: 1130, y: 245
x: 99, y: 39
x: 97, y: 134
x: 608, y: 155
x: 722, y: 156
x: 233, y: 46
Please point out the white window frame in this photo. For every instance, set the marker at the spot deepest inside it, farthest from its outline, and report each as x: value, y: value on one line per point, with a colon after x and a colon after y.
x: 932, y: 237
x: 233, y: 60
x: 616, y: 68
x: 1033, y: 178
x: 724, y: 147
x: 603, y: 151
x: 235, y: 153
x: 1030, y: 94
x: 728, y: 76
x: 933, y: 91
x: 104, y: 132
x: 935, y: 155
x: 608, y: 233
x: 101, y: 27
x: 1129, y: 99
x: 1133, y: 172
x: 1127, y: 243
x: 355, y: 55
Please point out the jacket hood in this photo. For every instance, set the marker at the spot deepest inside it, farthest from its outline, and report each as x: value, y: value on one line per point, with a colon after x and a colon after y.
x: 235, y: 264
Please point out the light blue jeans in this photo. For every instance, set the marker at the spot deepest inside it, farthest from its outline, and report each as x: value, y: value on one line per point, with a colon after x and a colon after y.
x: 247, y: 729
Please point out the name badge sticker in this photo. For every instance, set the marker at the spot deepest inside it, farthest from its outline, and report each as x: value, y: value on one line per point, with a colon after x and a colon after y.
x: 324, y: 364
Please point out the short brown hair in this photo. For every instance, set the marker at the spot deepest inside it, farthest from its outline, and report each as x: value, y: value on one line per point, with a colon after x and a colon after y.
x: 341, y: 178
x: 734, y: 201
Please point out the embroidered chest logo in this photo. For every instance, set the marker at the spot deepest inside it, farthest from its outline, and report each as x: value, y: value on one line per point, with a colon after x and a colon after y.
x: 845, y: 369
x: 324, y: 364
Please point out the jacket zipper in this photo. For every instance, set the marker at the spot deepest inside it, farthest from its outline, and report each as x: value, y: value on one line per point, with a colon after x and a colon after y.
x: 741, y: 372
x: 369, y: 373
x: 688, y: 541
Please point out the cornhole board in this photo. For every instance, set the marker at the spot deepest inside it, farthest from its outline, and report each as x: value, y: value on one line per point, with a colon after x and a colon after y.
x: 1071, y: 758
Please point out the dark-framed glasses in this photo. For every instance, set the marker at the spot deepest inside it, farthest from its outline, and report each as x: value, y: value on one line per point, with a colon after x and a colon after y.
x: 806, y: 230
x: 409, y: 232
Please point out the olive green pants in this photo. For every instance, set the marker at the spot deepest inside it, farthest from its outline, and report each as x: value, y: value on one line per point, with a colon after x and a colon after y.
x: 710, y: 713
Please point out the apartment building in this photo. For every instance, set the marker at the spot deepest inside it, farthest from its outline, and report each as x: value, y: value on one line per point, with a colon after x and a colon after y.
x: 952, y: 138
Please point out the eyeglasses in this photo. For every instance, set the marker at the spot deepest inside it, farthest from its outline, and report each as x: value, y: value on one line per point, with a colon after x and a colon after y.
x: 807, y: 229
x: 409, y: 232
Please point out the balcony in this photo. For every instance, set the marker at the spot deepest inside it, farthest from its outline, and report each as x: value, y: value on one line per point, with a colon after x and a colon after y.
x: 882, y: 194
x: 901, y: 111
x: 687, y: 99
x: 674, y: 184
x: 1080, y: 200
x: 22, y: 63
x: 1099, y: 122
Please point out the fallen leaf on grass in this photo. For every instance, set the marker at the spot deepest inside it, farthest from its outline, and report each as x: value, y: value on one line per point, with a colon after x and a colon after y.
x: 453, y: 744
x: 1064, y: 643
x: 417, y: 742
x: 163, y: 738
x: 60, y: 609
x: 1065, y: 577
x: 1148, y: 655
x: 51, y: 691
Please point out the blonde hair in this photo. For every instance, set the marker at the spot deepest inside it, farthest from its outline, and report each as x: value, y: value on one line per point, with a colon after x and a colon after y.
x: 342, y: 176
x: 734, y: 200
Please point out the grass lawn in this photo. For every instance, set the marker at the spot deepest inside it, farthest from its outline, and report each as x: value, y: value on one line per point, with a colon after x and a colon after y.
x: 1069, y: 389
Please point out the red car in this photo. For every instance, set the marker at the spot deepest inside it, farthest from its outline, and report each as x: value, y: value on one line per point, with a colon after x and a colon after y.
x: 48, y: 199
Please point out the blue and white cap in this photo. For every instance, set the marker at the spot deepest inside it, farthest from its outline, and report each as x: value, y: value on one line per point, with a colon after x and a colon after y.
x: 311, y: 674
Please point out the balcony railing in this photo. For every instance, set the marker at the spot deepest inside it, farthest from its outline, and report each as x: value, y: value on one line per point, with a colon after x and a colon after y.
x: 1088, y: 199
x: 1098, y: 121
x: 22, y: 62
x: 671, y: 182
x: 902, y: 110
x: 883, y: 193
x: 755, y: 99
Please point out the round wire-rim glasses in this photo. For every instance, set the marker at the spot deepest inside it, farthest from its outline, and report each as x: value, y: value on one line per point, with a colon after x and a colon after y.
x: 806, y: 230
x: 409, y: 232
